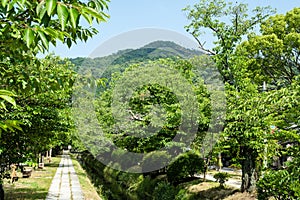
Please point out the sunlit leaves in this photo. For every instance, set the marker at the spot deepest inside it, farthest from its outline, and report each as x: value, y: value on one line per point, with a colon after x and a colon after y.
x: 74, y: 17
x: 4, y: 2
x: 63, y: 17
x: 7, y: 96
x: 229, y: 23
x: 50, y: 5
x: 63, y: 14
x: 274, y: 53
x: 44, y: 39
x: 28, y: 36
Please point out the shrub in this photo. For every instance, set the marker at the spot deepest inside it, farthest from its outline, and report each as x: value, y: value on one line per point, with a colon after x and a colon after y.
x: 185, y: 165
x: 182, y: 195
x: 125, y: 159
x: 164, y: 191
x: 155, y: 159
x: 281, y: 184
x: 222, y: 177
x: 145, y: 188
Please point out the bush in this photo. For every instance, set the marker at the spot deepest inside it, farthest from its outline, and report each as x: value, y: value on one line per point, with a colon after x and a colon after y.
x: 164, y: 191
x: 222, y: 177
x: 124, y: 159
x: 280, y: 185
x: 184, y: 166
x: 154, y: 160
x: 145, y: 188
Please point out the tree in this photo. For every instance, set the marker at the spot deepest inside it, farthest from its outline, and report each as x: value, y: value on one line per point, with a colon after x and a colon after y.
x: 156, y: 112
x: 32, y: 25
x: 28, y: 28
x: 272, y: 58
x: 229, y: 32
x: 273, y: 55
x: 42, y: 100
x: 229, y: 23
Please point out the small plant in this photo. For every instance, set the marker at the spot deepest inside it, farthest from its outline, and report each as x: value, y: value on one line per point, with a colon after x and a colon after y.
x: 222, y: 177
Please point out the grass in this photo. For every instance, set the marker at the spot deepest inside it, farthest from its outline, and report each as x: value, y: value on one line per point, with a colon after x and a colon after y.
x: 33, y: 188
x: 210, y: 190
x: 87, y: 187
x: 36, y: 187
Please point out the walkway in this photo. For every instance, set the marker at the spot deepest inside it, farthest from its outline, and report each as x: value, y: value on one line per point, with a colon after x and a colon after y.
x: 236, y: 183
x: 65, y: 184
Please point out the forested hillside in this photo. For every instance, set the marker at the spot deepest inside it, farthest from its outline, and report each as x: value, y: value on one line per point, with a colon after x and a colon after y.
x: 105, y: 66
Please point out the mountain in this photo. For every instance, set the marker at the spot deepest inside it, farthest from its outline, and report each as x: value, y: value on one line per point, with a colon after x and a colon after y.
x: 118, y: 62
x: 155, y: 50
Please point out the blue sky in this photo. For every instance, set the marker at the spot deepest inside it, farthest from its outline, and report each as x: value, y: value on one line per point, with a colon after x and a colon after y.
x: 129, y: 15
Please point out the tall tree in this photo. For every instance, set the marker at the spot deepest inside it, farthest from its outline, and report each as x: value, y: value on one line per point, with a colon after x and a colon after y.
x: 28, y: 28
x: 274, y: 55
x: 230, y: 23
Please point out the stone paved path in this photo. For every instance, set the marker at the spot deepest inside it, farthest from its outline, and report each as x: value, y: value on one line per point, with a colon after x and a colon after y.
x: 65, y: 184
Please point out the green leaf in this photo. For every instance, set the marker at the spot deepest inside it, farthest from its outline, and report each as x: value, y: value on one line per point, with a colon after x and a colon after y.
x: 93, y: 13
x: 8, y: 99
x: 12, y: 125
x: 88, y: 18
x: 39, y: 8
x: 69, y: 42
x: 4, y: 3
x: 11, y: 5
x: 44, y: 39
x: 63, y: 15
x: 6, y: 92
x: 51, y: 32
x: 50, y: 5
x: 104, y: 4
x: 44, y: 17
x: 2, y: 105
x: 74, y: 14
x: 28, y: 36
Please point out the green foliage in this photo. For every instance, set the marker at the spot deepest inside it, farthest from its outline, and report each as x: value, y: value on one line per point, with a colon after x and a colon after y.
x: 124, y: 159
x: 279, y: 185
x: 283, y: 183
x: 269, y: 57
x: 38, y: 116
x: 278, y: 46
x: 164, y: 191
x: 222, y: 177
x: 185, y: 165
x: 144, y: 103
x: 42, y: 94
x: 5, y: 125
x: 47, y: 21
x: 228, y: 22
x: 155, y: 159
x: 6, y: 96
x: 146, y: 187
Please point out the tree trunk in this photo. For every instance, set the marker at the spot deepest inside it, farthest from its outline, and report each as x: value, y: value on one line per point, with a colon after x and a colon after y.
x: 249, y: 171
x: 1, y: 192
x: 204, y: 172
x: 220, y: 164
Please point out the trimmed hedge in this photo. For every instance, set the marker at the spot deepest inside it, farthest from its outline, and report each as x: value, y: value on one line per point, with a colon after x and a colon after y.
x: 186, y: 165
